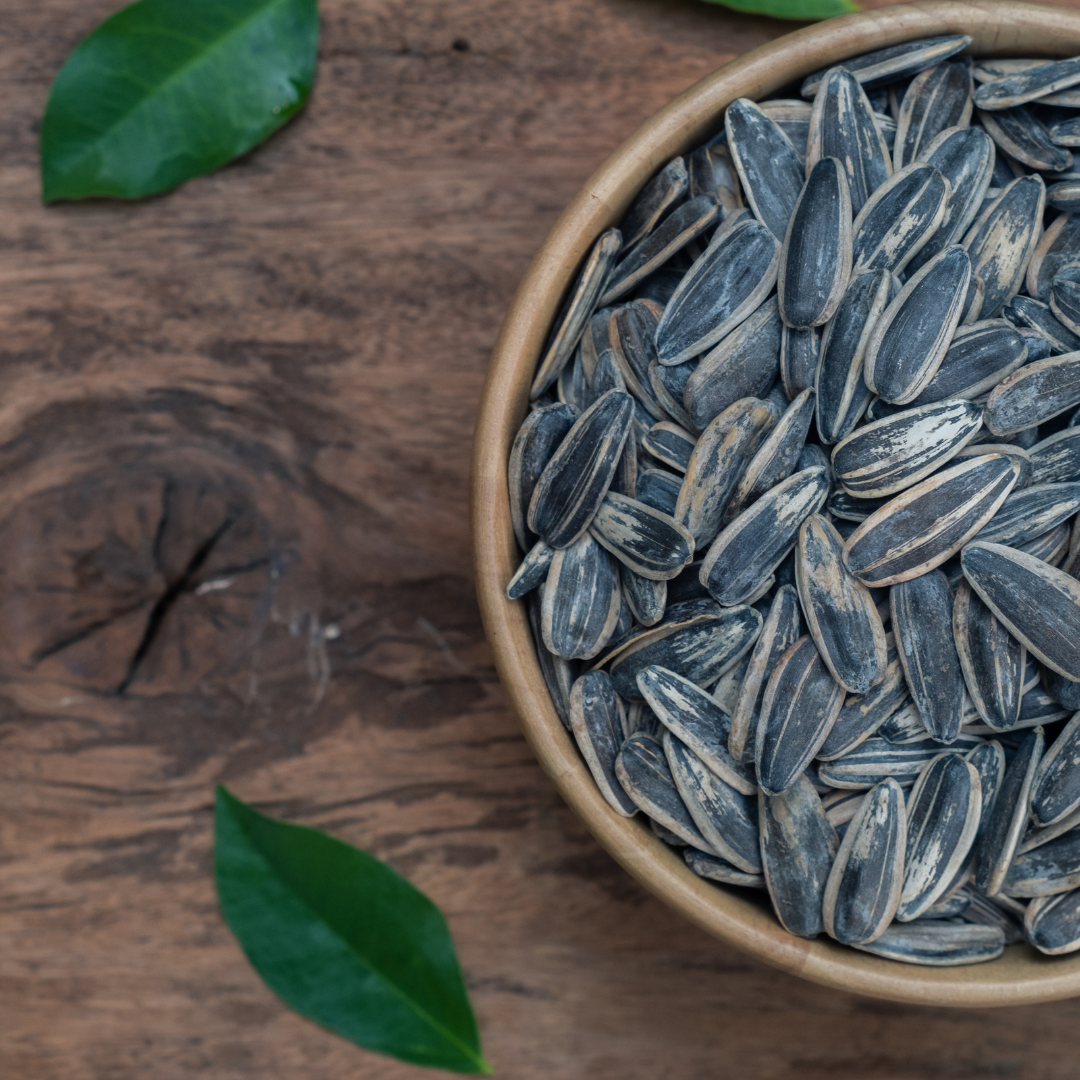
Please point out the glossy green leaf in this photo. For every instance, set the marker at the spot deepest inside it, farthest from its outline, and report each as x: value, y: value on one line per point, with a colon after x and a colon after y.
x: 165, y: 90
x: 343, y: 939
x: 802, y: 10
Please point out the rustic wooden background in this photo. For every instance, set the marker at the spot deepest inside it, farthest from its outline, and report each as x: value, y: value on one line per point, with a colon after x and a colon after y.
x: 234, y: 445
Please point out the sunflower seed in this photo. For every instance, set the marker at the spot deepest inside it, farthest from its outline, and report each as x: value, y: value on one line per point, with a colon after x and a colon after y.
x: 798, y: 846
x: 1056, y: 789
x: 536, y: 441
x: 841, y: 806
x: 606, y: 375
x: 714, y: 869
x: 575, y: 480
x: 712, y: 172
x: 657, y: 198
x: 895, y: 62
x: 919, y: 529
x: 1058, y: 246
x: 1038, y: 604
x: 653, y: 545
x: 842, y: 395
x: 595, y: 722
x: 1049, y: 870
x: 1065, y: 296
x: 1052, y: 923
x: 594, y: 340
x: 696, y: 719
x: 842, y: 126
x: 839, y: 610
x: 768, y: 165
x: 936, y: 99
x: 631, y: 335
x: 643, y: 771
x: 1051, y: 547
x: 725, y: 449
x: 699, y: 644
x: 1056, y: 459
x: 1003, y: 239
x: 815, y: 260
x: 1027, y: 514
x: 979, y: 357
x: 875, y: 759
x: 777, y: 457
x: 988, y: 760
x: 1027, y: 85
x: 799, y: 706
x: 898, y: 219
x: 668, y: 383
x: 949, y: 906
x: 646, y: 599
x: 671, y: 444
x: 1037, y: 346
x: 1065, y: 132
x: 749, y: 549
x: 799, y: 351
x: 725, y: 690
x: 582, y: 300
x: 726, y: 817
x: 581, y: 600
x: 1023, y: 310
x: 559, y: 674
x: 922, y: 624
x: 938, y: 944
x: 905, y: 726
x: 910, y: 338
x: 659, y: 489
x: 745, y: 364
x: 1021, y: 135
x: 863, y: 888
x: 989, y: 68
x: 729, y: 281
x: 673, y: 234
x: 1034, y: 394
x: 846, y: 507
x: 943, y: 816
x: 532, y: 571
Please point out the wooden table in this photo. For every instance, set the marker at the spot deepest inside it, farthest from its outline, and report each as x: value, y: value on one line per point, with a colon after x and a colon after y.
x: 234, y: 442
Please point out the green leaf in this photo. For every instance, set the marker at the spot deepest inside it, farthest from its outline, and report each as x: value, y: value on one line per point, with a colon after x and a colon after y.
x: 802, y: 10
x: 165, y: 90
x: 343, y: 939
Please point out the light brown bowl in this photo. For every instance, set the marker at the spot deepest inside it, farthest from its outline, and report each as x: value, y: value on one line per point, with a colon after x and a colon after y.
x: 1020, y: 976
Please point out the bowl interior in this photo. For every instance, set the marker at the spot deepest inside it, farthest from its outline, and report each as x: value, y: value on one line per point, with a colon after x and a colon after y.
x: 999, y: 28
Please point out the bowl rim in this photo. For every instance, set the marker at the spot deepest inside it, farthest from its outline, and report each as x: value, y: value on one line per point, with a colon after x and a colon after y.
x: 999, y: 27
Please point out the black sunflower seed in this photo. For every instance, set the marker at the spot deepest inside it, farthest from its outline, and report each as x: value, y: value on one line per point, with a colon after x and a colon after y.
x: 596, y: 724
x: 936, y: 99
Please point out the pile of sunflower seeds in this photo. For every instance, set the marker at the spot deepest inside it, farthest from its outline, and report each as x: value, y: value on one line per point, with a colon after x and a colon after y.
x: 797, y: 496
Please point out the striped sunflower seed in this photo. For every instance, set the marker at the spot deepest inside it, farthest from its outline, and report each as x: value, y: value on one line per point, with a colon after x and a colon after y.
x: 936, y: 99
x: 721, y: 455
x: 890, y: 455
x: 894, y: 63
x: 942, y: 819
x: 1065, y: 296
x: 798, y: 847
x: 1024, y: 311
x: 745, y: 364
x: 977, y: 359
x: 536, y: 441
x: 694, y: 717
x: 597, y: 727
x: 1034, y: 394
x: 905, y: 726
x: 781, y: 629
x: 792, y: 116
x: 988, y: 760
x: 842, y: 394
x: 657, y: 198
x: 713, y: 869
x: 1028, y: 85
x: 1022, y: 136
x: 712, y: 172
x: 982, y: 911
x: 631, y: 336
x: 575, y: 318
x: 1002, y: 240
x: 671, y: 444
x: 1052, y: 923
x: 1051, y: 547
x: 950, y: 906
x: 1038, y: 604
x: 1064, y: 196
x: 799, y: 706
x: 919, y: 529
x: 875, y: 759
x: 1058, y: 246
x: 732, y: 277
x: 922, y: 623
x: 841, y: 808
x: 1049, y: 870
x: 799, y: 351
x: 815, y: 261
x: 645, y: 597
x: 1017, y: 453
x: 1030, y: 513
x: 910, y: 338
x: 899, y: 218
x: 863, y: 889
x: 532, y: 571
x: 726, y: 817
x: 575, y: 480
x: 749, y: 549
x: 695, y: 639
x: 558, y: 673
x: 606, y: 374
x: 938, y: 944
x: 659, y: 489
x: 1056, y: 789
x: 993, y: 663
x: 581, y: 600
x: 842, y: 126
x: 651, y: 544
x: 668, y: 382
x: 643, y: 771
x: 845, y: 507
x: 768, y: 165
x: 839, y: 610
x: 1065, y: 132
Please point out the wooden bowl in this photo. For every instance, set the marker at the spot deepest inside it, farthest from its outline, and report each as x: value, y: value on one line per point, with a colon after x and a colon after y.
x: 999, y: 27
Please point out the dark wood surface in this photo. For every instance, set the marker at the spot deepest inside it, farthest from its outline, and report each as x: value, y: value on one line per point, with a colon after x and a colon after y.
x: 234, y: 442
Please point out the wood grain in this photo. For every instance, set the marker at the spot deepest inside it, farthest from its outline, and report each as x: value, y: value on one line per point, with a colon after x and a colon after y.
x: 234, y: 438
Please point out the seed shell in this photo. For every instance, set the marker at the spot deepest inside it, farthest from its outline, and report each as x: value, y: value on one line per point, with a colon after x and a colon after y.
x: 657, y: 198
x: 977, y: 359
x: 1022, y: 136
x: 1038, y: 604
x: 631, y: 336
x: 799, y: 351
x: 768, y: 165
x: 575, y: 319
x: 799, y: 706
x: 1048, y: 870
x: 532, y: 571
x: 894, y: 63
x: 1034, y: 394
x: 1056, y: 790
x: 1065, y: 296
x: 938, y: 944
x: 646, y: 598
x: 919, y: 529
x: 726, y: 817
x: 651, y: 544
x: 863, y: 889
x: 749, y: 549
x: 936, y: 99
x: 726, y: 283
x: 715, y: 869
x: 1064, y: 196
x: 668, y: 383
x: 712, y: 172
x: 1024, y: 311
x: 581, y: 600
x: 1052, y: 923
x: 875, y: 759
x: 537, y: 439
x: 1058, y: 246
x: 559, y: 674
x: 1051, y: 547
x: 798, y: 846
x: 842, y: 126
x: 988, y: 760
x: 659, y: 489
x: 922, y: 611
x: 670, y: 443
x: 1030, y: 513
x: 815, y: 261
x: 1035, y: 82
x: 596, y: 724
x: 910, y: 338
